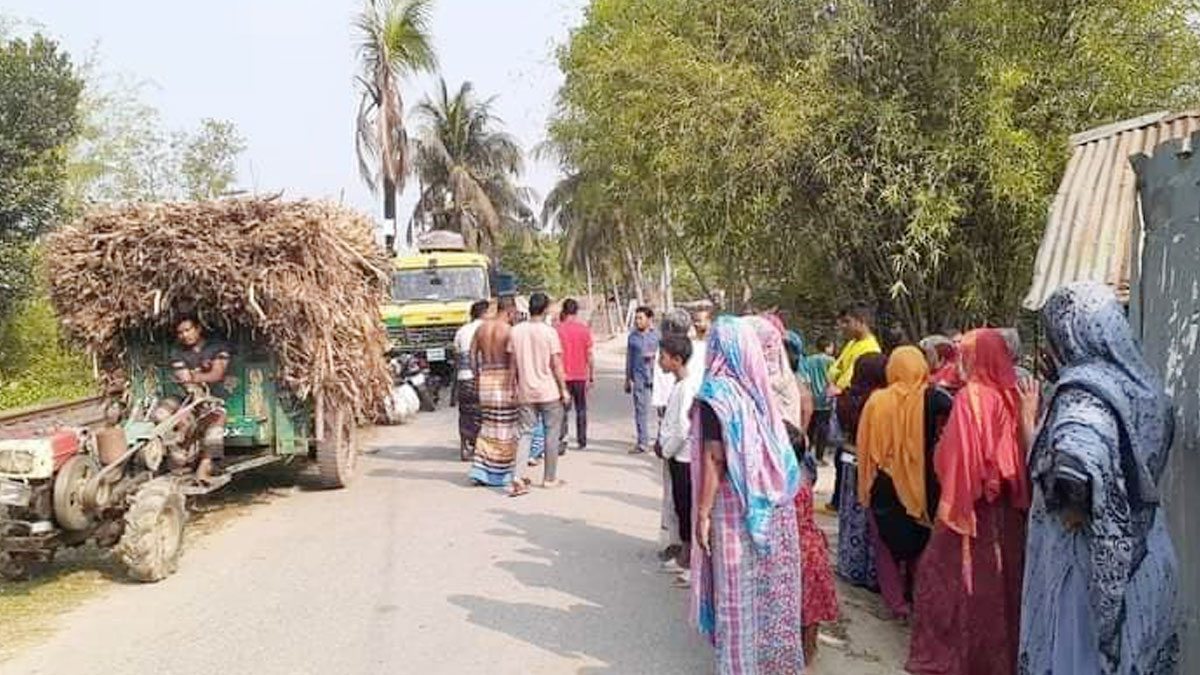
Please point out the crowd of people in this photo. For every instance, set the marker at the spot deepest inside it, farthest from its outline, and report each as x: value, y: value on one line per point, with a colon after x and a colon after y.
x: 517, y: 383
x: 1013, y: 520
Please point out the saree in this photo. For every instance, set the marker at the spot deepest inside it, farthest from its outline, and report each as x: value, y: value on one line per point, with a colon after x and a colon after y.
x: 967, y: 600
x: 496, y: 444
x: 1100, y: 596
x: 746, y: 596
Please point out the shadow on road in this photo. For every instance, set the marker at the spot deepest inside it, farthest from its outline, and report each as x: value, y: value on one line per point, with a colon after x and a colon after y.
x: 603, y: 570
x: 639, y: 501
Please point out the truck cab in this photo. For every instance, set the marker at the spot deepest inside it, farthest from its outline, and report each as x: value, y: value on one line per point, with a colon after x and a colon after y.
x: 432, y: 294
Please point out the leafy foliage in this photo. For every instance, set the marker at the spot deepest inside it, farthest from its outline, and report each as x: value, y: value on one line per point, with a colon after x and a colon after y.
x: 813, y: 153
x: 36, y: 364
x: 38, y: 95
x: 393, y: 41
x: 468, y: 169
x: 534, y: 261
x: 124, y: 153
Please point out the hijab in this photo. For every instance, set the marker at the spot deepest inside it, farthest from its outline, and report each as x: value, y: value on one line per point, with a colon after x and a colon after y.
x: 980, y: 453
x: 891, y: 433
x: 784, y: 387
x: 1095, y: 349
x: 870, y: 373
x: 760, y: 465
x: 942, y: 354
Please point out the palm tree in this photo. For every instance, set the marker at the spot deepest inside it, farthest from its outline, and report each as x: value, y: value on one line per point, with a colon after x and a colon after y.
x: 468, y: 169
x: 394, y: 41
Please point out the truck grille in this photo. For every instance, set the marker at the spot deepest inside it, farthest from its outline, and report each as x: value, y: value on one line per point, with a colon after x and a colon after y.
x: 423, y: 337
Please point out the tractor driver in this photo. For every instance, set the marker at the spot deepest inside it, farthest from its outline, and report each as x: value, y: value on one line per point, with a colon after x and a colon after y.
x: 200, y: 361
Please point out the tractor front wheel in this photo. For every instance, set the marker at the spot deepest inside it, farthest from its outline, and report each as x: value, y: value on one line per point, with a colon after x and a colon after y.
x: 153, y: 537
x: 337, y: 453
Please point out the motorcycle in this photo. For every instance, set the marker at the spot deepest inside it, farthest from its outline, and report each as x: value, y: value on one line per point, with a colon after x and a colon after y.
x: 411, y: 390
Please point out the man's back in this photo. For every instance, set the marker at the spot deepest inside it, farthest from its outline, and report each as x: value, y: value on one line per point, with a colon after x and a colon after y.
x: 533, y: 345
x: 492, y: 342
x: 576, y: 339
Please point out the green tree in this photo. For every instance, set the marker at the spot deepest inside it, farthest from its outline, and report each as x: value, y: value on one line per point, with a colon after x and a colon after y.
x: 208, y: 159
x: 468, y: 169
x: 900, y: 153
x: 393, y: 41
x: 39, y: 91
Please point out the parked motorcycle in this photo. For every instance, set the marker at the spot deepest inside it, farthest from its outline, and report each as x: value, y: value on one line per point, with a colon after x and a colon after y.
x: 411, y: 391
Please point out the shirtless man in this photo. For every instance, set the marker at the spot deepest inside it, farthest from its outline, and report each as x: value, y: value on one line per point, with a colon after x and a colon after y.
x: 490, y: 346
x: 496, y: 446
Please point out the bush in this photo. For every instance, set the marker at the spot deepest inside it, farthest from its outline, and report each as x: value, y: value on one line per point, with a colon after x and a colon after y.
x: 36, y: 365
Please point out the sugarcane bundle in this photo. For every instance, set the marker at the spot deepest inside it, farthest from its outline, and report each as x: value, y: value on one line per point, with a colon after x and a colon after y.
x: 307, y: 278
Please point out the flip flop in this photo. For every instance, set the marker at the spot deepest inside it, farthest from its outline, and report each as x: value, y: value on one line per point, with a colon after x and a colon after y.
x: 520, y: 492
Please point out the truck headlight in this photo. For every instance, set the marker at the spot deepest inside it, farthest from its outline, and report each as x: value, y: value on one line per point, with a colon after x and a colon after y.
x: 14, y: 461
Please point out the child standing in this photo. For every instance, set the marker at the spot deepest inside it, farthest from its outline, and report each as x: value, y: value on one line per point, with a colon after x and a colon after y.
x: 673, y: 440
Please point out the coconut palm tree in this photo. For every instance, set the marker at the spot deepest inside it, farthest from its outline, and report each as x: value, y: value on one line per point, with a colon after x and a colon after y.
x: 468, y: 169
x: 394, y: 41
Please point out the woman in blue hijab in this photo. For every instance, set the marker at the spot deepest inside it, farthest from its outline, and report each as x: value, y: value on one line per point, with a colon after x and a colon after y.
x: 1100, y: 573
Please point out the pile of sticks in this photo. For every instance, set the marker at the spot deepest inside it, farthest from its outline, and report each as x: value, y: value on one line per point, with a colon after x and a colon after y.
x: 306, y: 278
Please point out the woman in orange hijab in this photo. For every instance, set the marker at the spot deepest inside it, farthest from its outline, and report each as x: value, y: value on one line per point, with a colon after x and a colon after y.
x: 968, y: 594
x: 896, y: 436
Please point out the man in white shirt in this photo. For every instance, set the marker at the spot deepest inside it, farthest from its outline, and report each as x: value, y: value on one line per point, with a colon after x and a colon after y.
x: 674, y: 441
x: 468, y: 395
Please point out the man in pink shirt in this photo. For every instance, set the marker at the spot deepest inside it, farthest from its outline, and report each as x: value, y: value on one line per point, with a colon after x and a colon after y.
x: 578, y: 366
x: 541, y: 386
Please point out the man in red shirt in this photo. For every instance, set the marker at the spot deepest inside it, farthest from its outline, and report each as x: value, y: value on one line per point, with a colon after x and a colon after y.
x: 579, y: 365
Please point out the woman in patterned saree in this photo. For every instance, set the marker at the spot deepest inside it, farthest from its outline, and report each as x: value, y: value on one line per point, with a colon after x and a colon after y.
x: 1101, y: 580
x: 746, y: 590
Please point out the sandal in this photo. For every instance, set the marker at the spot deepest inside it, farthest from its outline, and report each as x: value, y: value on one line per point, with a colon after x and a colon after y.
x: 518, y: 491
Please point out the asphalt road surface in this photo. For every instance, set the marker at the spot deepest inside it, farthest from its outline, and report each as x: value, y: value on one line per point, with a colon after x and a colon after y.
x: 412, y: 570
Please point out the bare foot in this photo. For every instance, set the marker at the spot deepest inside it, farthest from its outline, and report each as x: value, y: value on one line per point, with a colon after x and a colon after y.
x: 553, y: 484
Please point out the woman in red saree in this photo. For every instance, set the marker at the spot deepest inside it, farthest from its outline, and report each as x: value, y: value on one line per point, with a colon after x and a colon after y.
x: 967, y: 601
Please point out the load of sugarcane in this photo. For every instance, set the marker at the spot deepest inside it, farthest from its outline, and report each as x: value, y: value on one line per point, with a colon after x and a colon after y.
x: 306, y: 278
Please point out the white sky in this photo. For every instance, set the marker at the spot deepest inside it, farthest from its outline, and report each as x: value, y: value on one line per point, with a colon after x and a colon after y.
x: 282, y: 71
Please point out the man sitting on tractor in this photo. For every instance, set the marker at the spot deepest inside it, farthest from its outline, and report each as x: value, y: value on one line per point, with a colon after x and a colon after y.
x: 201, y: 361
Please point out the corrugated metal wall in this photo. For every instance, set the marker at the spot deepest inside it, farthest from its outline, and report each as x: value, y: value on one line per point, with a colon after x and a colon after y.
x: 1166, y: 310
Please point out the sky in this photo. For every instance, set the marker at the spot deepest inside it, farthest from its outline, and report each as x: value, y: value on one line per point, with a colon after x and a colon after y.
x: 282, y: 71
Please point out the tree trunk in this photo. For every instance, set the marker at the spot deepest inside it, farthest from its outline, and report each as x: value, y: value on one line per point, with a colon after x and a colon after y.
x: 587, y: 263
x: 389, y: 199
x: 668, y: 281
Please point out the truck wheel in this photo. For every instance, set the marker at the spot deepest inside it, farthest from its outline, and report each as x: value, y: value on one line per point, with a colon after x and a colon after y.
x: 337, y: 455
x: 153, y: 537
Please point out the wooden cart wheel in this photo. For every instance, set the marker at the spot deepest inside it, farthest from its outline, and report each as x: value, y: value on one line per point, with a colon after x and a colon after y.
x: 337, y: 454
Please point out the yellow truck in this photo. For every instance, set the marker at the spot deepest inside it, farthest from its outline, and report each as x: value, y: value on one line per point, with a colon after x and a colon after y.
x: 432, y: 294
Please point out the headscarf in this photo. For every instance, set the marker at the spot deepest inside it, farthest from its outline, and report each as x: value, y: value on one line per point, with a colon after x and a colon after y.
x: 870, y: 373
x: 980, y: 453
x: 1096, y: 352
x: 942, y: 354
x: 784, y: 387
x: 760, y: 465
x: 891, y: 433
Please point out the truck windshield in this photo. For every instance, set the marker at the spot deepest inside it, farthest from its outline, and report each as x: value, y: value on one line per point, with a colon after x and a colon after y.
x: 440, y: 284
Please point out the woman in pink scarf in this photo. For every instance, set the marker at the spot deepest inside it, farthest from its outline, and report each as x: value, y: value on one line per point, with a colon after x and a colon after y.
x: 746, y: 552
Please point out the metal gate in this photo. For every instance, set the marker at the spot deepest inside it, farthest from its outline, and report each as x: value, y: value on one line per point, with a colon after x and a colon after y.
x: 1165, y: 309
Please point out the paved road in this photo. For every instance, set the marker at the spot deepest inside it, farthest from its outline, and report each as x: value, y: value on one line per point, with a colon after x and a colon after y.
x: 413, y: 571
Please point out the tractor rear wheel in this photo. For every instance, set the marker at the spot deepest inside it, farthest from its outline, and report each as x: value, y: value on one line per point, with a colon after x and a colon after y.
x: 337, y: 453
x: 153, y: 537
